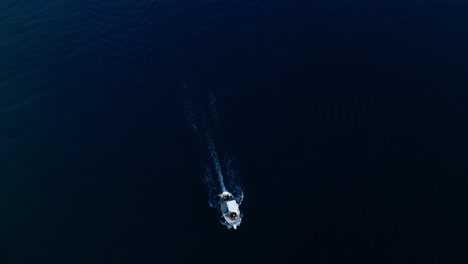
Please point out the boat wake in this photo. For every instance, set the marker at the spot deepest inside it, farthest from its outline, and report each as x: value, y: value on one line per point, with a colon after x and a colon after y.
x: 219, y: 174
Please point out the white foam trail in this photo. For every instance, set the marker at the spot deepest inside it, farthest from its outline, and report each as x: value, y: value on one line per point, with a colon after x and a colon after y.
x: 233, y: 180
x: 215, y: 159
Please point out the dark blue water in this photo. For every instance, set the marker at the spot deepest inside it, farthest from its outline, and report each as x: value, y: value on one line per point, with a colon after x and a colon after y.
x: 346, y: 121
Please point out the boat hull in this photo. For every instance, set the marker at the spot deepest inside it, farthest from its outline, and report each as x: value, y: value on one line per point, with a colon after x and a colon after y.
x: 231, y: 215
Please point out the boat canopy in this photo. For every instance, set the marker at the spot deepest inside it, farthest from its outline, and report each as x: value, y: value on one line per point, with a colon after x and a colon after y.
x: 232, y: 206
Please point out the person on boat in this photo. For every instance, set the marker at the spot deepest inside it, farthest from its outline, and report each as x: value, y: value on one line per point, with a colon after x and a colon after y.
x: 233, y: 216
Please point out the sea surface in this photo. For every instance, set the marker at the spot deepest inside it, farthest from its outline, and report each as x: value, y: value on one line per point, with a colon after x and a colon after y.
x: 346, y: 123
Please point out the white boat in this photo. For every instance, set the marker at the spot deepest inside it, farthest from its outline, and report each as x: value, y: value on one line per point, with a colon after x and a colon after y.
x: 230, y: 210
